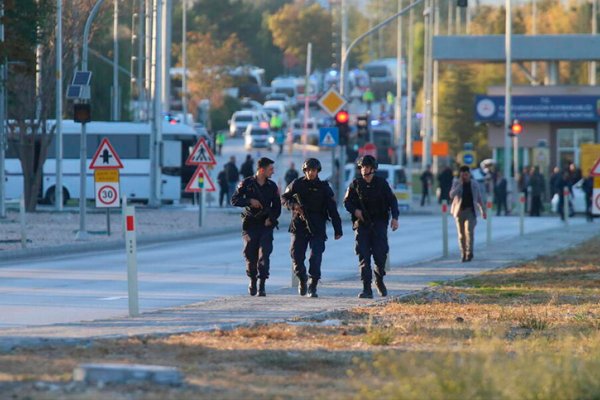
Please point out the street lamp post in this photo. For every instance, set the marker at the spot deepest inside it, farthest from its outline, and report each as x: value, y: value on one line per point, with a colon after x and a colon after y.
x: 82, y: 234
x: 507, y: 95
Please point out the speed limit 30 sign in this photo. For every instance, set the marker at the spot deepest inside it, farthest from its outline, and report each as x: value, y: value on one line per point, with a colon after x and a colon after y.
x: 106, y: 188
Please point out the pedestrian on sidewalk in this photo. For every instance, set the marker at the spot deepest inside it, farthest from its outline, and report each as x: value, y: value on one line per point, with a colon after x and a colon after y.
x: 220, y: 141
x: 260, y: 198
x: 370, y: 202
x: 233, y: 174
x: 291, y: 174
x: 500, y: 193
x: 312, y: 203
x: 466, y: 196
x: 223, y: 187
x: 426, y: 182
x: 445, y: 179
x: 247, y: 167
x: 537, y: 187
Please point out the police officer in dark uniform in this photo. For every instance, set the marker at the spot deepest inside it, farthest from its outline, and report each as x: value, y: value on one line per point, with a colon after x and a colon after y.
x: 259, y: 196
x: 370, y: 201
x: 311, y: 201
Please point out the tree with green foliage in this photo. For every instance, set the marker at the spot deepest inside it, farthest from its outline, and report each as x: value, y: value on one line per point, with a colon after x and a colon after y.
x: 295, y: 25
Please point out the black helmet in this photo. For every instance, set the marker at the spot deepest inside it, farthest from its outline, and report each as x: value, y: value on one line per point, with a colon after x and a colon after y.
x: 367, y: 161
x: 311, y: 163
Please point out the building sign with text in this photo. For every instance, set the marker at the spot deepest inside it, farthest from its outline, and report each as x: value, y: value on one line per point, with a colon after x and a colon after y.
x: 539, y: 108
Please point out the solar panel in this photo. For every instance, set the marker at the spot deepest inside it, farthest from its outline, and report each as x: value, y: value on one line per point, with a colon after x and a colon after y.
x: 73, y: 91
x: 82, y: 78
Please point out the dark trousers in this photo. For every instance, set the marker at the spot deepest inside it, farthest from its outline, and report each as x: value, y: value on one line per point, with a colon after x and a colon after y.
x: 536, y: 205
x: 371, y: 242
x: 298, y: 247
x: 501, y: 204
x: 425, y: 196
x: 258, y: 245
x: 223, y: 194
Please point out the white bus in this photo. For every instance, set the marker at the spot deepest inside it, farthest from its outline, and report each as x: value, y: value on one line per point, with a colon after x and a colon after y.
x: 131, y: 142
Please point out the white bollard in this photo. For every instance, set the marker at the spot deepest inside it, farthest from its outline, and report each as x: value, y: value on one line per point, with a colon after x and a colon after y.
x: 565, y: 209
x: 445, y: 228
x: 489, y: 211
x: 131, y: 249
x: 521, y: 214
x: 22, y: 220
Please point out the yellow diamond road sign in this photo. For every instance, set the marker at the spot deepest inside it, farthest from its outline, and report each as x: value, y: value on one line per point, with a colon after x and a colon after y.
x: 332, y: 102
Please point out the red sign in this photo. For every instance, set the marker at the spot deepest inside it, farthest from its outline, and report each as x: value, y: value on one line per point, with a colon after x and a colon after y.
x: 201, y: 154
x: 194, y: 183
x: 369, y: 149
x: 595, y: 171
x: 105, y: 157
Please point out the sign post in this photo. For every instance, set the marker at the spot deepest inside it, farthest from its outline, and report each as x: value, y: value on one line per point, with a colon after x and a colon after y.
x: 201, y: 156
x: 106, y: 164
x: 445, y: 228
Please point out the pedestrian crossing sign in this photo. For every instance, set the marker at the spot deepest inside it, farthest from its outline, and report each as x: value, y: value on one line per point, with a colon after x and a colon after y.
x: 201, y: 154
x: 329, y: 137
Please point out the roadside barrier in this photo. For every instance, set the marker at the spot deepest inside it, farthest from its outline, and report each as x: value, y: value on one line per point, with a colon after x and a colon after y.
x: 489, y: 212
x: 445, y: 228
x: 131, y: 250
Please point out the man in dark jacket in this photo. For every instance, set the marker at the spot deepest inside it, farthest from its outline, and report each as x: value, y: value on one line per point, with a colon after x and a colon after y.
x: 233, y: 174
x: 259, y: 196
x: 312, y: 202
x: 223, y: 187
x: 500, y: 193
x: 445, y: 181
x: 370, y: 202
x: 291, y: 174
x: 247, y: 168
x: 537, y: 187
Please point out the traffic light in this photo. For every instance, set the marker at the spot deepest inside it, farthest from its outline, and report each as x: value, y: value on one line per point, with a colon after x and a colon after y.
x: 515, y: 128
x: 362, y: 126
x: 341, y: 121
x: 462, y: 3
x: 82, y: 113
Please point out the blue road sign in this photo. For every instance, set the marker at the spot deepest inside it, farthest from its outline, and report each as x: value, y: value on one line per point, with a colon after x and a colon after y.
x: 329, y: 137
x: 468, y: 158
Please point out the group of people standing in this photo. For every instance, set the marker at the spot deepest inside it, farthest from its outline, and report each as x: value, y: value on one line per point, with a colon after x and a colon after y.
x: 368, y: 199
x: 229, y: 177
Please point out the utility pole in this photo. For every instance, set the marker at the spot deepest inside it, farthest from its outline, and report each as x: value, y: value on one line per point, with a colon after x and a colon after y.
x: 507, y: 94
x: 58, y: 191
x: 2, y: 120
x: 156, y: 137
x: 398, y: 102
x: 115, y: 87
x: 435, y: 84
x: 594, y: 32
x: 184, y: 104
x: 409, y: 101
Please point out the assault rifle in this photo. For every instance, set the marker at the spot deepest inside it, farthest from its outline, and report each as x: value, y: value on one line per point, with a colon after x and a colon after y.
x: 265, y: 211
x: 304, y: 214
x: 367, y: 220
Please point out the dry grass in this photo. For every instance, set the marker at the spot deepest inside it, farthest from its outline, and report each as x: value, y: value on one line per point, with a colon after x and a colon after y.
x: 529, y: 331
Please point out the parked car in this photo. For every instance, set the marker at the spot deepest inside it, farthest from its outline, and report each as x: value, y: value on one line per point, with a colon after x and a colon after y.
x: 312, y: 134
x: 256, y: 137
x: 578, y: 199
x: 241, y: 119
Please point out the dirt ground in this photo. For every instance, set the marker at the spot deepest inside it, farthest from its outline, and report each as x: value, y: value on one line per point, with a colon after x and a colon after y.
x: 528, y: 331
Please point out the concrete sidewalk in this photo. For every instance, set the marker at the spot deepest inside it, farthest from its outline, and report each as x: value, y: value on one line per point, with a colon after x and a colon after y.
x: 285, y: 304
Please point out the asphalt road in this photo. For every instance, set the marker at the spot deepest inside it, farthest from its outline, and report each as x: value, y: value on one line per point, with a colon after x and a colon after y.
x: 93, y: 285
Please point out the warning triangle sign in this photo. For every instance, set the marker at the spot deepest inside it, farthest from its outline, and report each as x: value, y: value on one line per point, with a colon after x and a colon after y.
x: 595, y: 171
x: 328, y: 139
x: 200, y: 176
x: 106, y: 157
x: 201, y: 154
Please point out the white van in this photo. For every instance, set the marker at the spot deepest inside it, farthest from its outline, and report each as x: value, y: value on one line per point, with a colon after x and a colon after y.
x: 393, y: 174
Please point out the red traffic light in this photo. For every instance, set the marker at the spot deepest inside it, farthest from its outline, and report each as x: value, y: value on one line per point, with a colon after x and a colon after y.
x: 342, y: 117
x: 516, y: 128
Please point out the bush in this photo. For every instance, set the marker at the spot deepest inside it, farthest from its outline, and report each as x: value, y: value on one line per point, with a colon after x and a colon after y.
x: 219, y: 116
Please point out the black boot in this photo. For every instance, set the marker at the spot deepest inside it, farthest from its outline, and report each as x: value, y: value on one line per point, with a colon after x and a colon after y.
x: 367, y: 292
x: 303, y: 285
x: 261, y: 288
x: 252, y: 287
x: 464, y: 257
x: 469, y: 256
x: 381, y: 289
x: 312, y: 288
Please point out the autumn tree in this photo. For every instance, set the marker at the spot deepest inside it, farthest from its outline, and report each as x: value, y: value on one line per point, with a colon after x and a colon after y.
x: 295, y: 25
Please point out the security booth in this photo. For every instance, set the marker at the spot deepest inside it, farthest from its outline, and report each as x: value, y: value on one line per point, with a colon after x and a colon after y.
x: 555, y: 121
